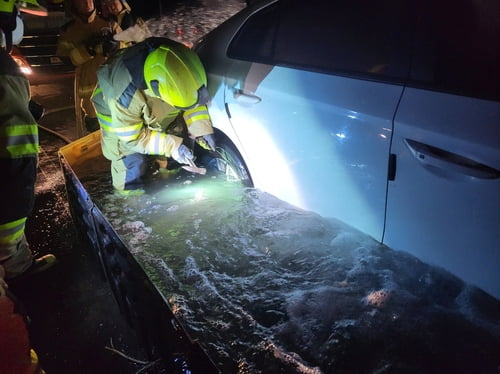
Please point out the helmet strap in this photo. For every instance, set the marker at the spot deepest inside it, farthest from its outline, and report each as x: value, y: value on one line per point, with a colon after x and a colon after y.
x: 155, y: 86
x: 203, y: 95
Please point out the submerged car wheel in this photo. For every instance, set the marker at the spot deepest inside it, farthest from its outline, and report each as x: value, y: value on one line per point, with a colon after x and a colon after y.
x: 226, y: 161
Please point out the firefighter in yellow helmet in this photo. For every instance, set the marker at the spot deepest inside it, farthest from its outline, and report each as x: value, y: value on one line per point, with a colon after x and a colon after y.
x: 151, y: 98
x: 87, y: 40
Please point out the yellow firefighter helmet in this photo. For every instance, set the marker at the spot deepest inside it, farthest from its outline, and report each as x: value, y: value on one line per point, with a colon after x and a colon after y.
x: 176, y: 75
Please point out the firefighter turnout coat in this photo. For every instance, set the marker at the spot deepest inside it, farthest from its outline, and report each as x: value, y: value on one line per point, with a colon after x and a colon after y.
x: 73, y: 42
x: 18, y: 165
x: 133, y: 120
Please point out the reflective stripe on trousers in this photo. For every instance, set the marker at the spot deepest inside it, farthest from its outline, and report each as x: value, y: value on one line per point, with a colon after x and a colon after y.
x: 15, y: 254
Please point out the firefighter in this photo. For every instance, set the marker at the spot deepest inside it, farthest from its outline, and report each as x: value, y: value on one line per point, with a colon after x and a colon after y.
x: 87, y: 40
x: 150, y: 100
x: 18, y: 156
x: 18, y: 163
x: 118, y: 11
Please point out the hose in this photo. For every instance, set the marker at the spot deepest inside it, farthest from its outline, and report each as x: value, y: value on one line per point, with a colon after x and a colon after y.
x: 52, y: 111
x: 67, y: 140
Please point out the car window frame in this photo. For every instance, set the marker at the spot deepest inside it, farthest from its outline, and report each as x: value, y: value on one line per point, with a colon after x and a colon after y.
x: 270, y: 60
x: 436, y: 33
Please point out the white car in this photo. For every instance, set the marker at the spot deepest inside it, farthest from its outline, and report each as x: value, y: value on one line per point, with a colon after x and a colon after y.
x: 385, y: 115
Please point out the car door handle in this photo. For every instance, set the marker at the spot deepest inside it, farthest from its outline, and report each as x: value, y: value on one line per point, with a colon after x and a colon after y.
x: 432, y: 156
x: 246, y: 97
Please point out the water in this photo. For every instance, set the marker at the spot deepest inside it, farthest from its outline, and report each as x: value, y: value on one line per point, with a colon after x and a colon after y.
x: 269, y: 288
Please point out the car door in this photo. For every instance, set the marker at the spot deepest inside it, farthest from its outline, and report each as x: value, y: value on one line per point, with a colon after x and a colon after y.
x: 444, y: 202
x: 311, y: 94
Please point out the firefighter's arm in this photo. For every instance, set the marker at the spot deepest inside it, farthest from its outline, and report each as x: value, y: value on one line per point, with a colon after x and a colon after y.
x: 200, y: 127
x: 102, y: 44
x: 80, y: 51
x: 136, y: 136
x: 70, y: 44
x: 78, y: 54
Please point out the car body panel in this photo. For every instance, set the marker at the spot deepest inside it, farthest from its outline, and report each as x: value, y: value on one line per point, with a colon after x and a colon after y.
x: 439, y: 209
x: 323, y: 140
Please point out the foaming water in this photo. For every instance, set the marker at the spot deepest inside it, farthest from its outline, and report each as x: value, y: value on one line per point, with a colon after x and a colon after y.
x: 269, y: 288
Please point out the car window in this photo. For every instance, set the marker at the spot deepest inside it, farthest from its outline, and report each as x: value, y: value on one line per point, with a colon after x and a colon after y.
x: 254, y: 41
x: 458, y: 47
x: 352, y: 37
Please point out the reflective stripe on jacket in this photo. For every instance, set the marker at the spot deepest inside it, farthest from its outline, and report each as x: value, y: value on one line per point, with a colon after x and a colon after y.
x: 18, y: 128
x: 198, y: 121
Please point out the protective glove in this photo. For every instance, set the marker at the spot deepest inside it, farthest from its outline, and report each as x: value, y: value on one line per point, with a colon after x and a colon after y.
x: 183, y: 155
x: 94, y: 44
x: 103, y: 44
x: 110, y: 46
x: 207, y: 142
